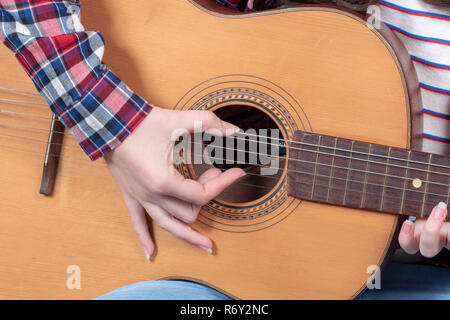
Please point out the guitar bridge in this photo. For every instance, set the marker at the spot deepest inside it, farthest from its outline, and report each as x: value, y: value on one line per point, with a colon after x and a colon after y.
x: 52, y: 155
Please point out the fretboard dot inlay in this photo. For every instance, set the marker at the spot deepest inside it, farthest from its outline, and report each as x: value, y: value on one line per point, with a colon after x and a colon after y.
x: 417, y: 183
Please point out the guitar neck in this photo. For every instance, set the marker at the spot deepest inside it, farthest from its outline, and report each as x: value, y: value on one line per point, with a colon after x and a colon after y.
x: 367, y: 176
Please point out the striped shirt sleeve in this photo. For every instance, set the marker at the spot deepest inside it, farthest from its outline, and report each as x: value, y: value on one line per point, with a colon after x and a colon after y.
x: 424, y: 29
x: 65, y: 63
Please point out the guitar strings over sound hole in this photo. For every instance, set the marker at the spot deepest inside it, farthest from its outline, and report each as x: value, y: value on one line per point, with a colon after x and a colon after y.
x: 258, y: 149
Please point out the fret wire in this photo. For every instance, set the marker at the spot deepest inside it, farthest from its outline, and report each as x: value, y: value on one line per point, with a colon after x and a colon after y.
x: 448, y: 195
x: 385, y: 178
x: 426, y: 186
x: 332, y: 169
x: 315, y: 168
x: 365, y: 178
x: 404, y: 183
x: 348, y: 173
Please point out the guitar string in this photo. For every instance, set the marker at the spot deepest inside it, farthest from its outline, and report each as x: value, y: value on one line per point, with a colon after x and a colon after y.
x: 246, y: 134
x: 224, y: 159
x: 294, y: 148
x: 296, y: 142
x: 20, y: 92
x: 343, y: 150
x: 357, y: 181
x: 427, y: 201
x: 334, y: 166
x: 257, y: 136
x: 301, y: 149
x: 358, y: 190
x: 282, y: 158
x: 25, y: 103
x: 105, y: 165
x: 303, y: 172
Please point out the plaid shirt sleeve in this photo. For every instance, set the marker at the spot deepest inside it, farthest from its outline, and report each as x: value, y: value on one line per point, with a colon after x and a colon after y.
x: 65, y: 63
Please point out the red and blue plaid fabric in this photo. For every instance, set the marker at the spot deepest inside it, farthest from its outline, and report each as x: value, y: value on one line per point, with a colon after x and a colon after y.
x: 65, y: 64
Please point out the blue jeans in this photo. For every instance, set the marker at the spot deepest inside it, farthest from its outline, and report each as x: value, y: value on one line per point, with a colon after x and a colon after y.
x: 398, y: 281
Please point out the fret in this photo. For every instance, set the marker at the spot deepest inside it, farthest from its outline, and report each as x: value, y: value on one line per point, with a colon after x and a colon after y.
x: 415, y: 186
x: 339, y: 176
x: 394, y: 195
x: 303, y: 169
x: 315, y: 168
x: 404, y: 184
x: 438, y: 183
x: 363, y: 196
x: 376, y: 177
x: 348, y: 173
x: 426, y: 186
x: 357, y: 174
x: 385, y: 178
x: 332, y: 170
x: 324, y: 169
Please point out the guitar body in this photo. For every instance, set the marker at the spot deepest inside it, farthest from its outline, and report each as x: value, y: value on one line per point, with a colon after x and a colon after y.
x: 309, y: 68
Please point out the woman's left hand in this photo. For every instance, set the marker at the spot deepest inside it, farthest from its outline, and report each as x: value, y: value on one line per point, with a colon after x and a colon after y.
x: 428, y: 236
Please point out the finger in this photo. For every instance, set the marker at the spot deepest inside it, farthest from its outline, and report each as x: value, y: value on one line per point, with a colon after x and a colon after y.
x: 204, y: 178
x: 446, y: 235
x: 208, y: 175
x: 205, y: 121
x: 185, y: 211
x: 406, y: 238
x: 430, y: 239
x: 200, y: 194
x: 179, y: 229
x: 140, y: 225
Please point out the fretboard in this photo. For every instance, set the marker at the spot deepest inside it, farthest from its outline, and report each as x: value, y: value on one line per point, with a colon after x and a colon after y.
x: 367, y: 176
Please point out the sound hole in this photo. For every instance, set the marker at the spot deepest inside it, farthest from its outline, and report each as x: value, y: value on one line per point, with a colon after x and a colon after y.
x: 255, y: 185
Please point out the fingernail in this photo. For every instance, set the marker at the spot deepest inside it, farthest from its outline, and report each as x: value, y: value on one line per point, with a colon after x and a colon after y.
x: 209, y: 250
x: 147, y: 256
x: 439, y: 211
x: 407, y: 227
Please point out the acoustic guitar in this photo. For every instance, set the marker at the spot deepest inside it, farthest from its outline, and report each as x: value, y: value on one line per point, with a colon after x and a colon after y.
x: 314, y: 73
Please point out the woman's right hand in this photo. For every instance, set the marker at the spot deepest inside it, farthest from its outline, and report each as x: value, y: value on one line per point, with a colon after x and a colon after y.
x: 143, y: 167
